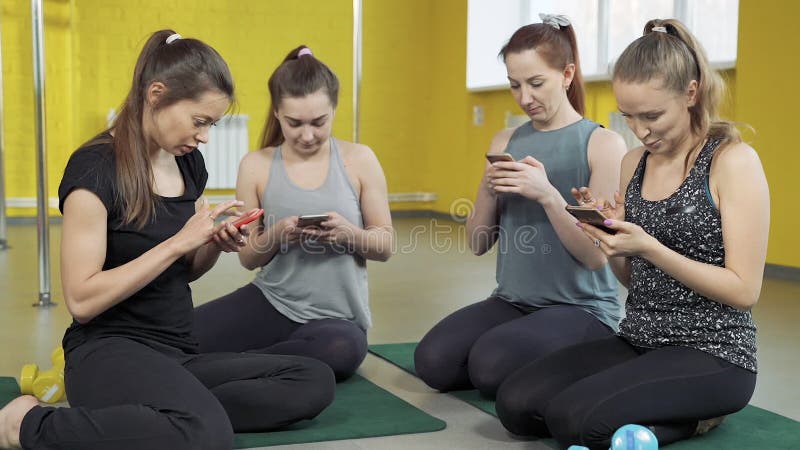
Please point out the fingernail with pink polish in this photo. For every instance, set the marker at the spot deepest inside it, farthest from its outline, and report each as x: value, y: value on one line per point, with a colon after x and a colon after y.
x: 607, y: 222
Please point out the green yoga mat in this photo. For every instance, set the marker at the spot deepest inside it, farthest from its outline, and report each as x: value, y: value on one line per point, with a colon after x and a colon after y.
x: 361, y: 410
x: 752, y: 428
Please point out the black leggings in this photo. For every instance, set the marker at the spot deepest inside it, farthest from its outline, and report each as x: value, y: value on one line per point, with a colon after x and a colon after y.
x: 583, y: 393
x: 245, y: 321
x: 479, y: 345
x: 126, y: 394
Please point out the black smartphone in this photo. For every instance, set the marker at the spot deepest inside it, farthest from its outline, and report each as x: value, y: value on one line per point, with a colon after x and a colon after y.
x: 590, y: 215
x: 497, y: 157
x: 312, y: 220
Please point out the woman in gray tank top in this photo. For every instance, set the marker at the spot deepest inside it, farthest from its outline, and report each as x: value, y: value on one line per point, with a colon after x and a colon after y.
x: 310, y: 295
x: 553, y: 287
x: 689, y: 242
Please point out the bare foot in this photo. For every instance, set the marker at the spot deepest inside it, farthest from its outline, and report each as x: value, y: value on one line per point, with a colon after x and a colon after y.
x: 11, y: 418
x: 704, y: 426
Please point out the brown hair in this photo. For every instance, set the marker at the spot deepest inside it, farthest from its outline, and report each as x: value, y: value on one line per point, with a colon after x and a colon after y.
x: 188, y: 68
x: 297, y: 76
x: 558, y: 47
x: 677, y: 58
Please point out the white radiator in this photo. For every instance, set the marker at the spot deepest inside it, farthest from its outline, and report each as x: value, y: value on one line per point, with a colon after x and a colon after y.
x: 227, y: 144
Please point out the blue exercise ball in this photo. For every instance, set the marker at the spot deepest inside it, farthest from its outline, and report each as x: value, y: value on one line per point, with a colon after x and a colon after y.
x: 634, y: 437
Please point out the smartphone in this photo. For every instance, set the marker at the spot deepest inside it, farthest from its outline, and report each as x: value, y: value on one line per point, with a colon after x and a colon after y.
x: 247, y: 218
x: 590, y: 215
x: 312, y: 220
x: 497, y: 157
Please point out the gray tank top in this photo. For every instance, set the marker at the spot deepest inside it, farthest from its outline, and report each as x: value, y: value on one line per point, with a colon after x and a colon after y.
x: 534, y: 269
x: 314, y: 281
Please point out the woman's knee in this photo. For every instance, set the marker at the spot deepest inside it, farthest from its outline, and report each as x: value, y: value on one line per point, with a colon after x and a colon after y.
x: 206, y: 429
x: 433, y: 364
x: 345, y: 355
x: 215, y: 436
x: 340, y: 344
x: 518, y: 408
x: 572, y: 424
x: 489, y: 364
x: 318, y: 390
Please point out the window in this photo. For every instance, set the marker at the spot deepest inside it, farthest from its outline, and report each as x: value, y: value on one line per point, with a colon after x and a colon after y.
x: 604, y: 29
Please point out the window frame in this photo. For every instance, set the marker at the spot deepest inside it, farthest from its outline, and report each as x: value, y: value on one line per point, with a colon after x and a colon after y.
x: 683, y: 10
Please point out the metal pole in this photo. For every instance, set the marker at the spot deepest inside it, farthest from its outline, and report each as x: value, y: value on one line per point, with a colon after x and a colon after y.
x: 603, y: 40
x: 43, y: 218
x: 3, y: 228
x: 357, y: 28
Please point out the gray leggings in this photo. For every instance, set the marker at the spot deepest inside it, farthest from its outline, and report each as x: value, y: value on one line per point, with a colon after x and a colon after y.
x: 245, y: 321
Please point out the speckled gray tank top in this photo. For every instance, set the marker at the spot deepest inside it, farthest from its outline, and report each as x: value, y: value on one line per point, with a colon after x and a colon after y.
x: 660, y: 311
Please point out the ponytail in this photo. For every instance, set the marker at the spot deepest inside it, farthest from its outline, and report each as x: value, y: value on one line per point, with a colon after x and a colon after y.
x: 300, y: 74
x: 669, y: 52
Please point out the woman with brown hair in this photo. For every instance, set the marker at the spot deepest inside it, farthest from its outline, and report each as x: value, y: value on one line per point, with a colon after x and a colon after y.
x: 310, y: 295
x: 135, y: 233
x: 554, y: 288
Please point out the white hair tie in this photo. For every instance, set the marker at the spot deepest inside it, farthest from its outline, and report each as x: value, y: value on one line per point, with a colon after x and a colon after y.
x: 173, y: 37
x: 660, y: 29
x: 555, y: 20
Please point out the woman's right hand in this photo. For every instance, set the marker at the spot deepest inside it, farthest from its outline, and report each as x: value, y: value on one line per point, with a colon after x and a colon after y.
x: 287, y: 231
x: 486, y: 183
x: 201, y: 227
x: 616, y: 211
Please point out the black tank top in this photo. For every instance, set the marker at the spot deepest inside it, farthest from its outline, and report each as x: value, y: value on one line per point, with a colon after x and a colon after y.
x: 660, y: 311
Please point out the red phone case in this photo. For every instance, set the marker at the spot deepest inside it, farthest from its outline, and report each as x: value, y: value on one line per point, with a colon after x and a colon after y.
x: 244, y: 220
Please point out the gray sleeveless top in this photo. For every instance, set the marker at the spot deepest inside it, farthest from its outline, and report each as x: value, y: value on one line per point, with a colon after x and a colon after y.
x: 534, y: 269
x: 312, y: 281
x: 660, y: 311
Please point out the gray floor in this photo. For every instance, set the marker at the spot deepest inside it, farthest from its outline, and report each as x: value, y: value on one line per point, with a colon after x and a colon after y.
x: 431, y: 274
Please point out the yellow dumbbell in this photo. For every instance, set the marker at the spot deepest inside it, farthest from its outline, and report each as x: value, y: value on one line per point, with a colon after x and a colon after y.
x: 47, y: 385
x: 58, y: 358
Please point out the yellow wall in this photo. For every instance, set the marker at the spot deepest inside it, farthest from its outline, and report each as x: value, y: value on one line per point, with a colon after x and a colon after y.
x: 415, y: 112
x: 395, y: 93
x: 18, y: 92
x: 91, y: 48
x: 767, y: 98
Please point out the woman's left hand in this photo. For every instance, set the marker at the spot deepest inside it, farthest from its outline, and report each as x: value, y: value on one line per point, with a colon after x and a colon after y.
x: 629, y: 240
x: 335, y: 231
x: 526, y: 177
x: 230, y: 239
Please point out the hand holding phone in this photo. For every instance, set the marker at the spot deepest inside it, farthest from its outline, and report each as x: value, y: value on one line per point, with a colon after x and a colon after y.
x: 498, y: 157
x: 311, y: 220
x: 590, y: 215
x: 247, y: 218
